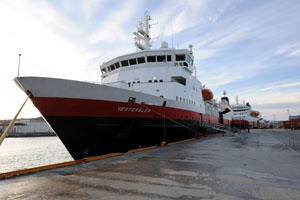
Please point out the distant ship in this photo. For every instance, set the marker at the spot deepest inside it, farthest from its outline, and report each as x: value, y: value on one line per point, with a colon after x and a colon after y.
x: 246, y: 118
x: 145, y: 98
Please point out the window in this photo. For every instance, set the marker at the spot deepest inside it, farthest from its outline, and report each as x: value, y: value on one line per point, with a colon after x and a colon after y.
x: 112, y: 67
x: 161, y: 58
x: 132, y: 61
x: 138, y: 81
x: 169, y: 58
x: 176, y: 98
x: 179, y: 79
x: 155, y: 81
x: 150, y: 81
x: 190, y: 60
x: 124, y: 63
x: 108, y: 68
x: 117, y: 65
x: 180, y: 99
x: 141, y: 60
x: 160, y: 80
x: 151, y: 59
x: 180, y: 57
x: 103, y: 71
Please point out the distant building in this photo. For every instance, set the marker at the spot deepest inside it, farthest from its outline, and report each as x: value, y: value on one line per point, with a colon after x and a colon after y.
x: 27, y: 127
x: 294, y: 121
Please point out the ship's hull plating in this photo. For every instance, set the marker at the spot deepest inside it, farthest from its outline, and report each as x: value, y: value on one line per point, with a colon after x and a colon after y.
x: 95, y: 127
x: 92, y: 136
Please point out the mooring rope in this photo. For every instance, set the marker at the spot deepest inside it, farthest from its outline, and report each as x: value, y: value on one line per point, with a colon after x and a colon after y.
x: 11, y: 123
x: 166, y: 117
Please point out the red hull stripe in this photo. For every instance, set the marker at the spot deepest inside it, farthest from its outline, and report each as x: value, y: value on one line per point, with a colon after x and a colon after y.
x: 98, y: 108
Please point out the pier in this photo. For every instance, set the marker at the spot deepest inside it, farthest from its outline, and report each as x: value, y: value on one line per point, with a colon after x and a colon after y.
x: 262, y: 164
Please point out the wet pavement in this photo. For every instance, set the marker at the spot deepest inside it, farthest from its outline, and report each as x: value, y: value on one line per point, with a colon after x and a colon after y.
x: 257, y: 165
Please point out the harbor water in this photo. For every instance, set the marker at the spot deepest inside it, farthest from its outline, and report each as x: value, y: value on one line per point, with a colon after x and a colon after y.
x: 28, y: 152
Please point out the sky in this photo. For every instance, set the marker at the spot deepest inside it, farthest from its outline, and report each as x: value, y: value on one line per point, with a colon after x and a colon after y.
x: 250, y: 49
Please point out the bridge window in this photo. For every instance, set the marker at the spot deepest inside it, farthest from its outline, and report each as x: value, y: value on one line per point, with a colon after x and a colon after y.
x: 117, y: 65
x: 132, y: 61
x: 180, y: 57
x: 179, y: 79
x: 150, y: 81
x: 160, y: 80
x: 103, y: 70
x: 161, y: 58
x: 155, y: 81
x: 151, y: 59
x: 141, y: 60
x: 112, y: 67
x: 124, y: 63
x: 190, y: 60
x: 169, y: 58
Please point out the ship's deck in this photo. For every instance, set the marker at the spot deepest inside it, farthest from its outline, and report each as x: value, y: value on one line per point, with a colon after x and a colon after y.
x: 263, y: 164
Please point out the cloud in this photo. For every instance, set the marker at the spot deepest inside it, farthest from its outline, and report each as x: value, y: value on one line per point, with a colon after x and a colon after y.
x: 281, y: 86
x: 176, y: 16
x: 290, y: 50
x: 113, y: 29
x: 201, y: 54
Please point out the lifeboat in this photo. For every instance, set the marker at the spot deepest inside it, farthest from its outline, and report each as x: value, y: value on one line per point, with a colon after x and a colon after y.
x: 207, y: 94
x: 254, y: 113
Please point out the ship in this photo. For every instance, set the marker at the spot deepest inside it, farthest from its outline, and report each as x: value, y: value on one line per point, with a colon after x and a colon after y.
x: 144, y: 98
x: 244, y: 117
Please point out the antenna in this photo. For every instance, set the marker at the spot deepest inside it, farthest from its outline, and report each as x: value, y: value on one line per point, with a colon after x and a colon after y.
x: 172, y: 34
x: 289, y: 112
x: 19, y: 64
x: 142, y: 37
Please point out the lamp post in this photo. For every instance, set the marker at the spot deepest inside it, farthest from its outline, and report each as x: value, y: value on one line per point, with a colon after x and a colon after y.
x: 19, y: 64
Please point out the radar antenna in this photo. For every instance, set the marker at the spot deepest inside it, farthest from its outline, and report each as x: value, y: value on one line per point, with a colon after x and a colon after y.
x: 142, y: 35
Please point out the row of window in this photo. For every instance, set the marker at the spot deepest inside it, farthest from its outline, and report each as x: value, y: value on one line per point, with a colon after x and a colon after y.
x: 141, y: 60
x: 150, y: 81
x: 188, y: 101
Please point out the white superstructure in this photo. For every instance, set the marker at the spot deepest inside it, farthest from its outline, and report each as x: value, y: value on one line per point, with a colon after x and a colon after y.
x: 164, y: 72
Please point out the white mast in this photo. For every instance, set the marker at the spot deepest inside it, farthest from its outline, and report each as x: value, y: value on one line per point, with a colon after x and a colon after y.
x: 237, y: 99
x: 142, y: 37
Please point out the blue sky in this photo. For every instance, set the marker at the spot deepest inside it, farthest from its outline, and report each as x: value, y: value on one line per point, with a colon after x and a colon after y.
x: 251, y: 49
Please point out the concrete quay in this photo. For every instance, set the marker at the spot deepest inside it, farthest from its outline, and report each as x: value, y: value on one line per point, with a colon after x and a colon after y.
x: 263, y: 164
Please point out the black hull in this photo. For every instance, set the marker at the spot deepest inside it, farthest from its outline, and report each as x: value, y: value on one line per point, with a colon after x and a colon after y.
x: 93, y: 136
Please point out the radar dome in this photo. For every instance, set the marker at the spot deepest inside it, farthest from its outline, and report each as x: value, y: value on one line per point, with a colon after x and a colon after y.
x: 163, y: 44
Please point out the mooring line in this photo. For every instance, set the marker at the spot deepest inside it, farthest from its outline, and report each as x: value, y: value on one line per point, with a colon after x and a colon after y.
x: 12, y: 122
x: 162, y: 115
